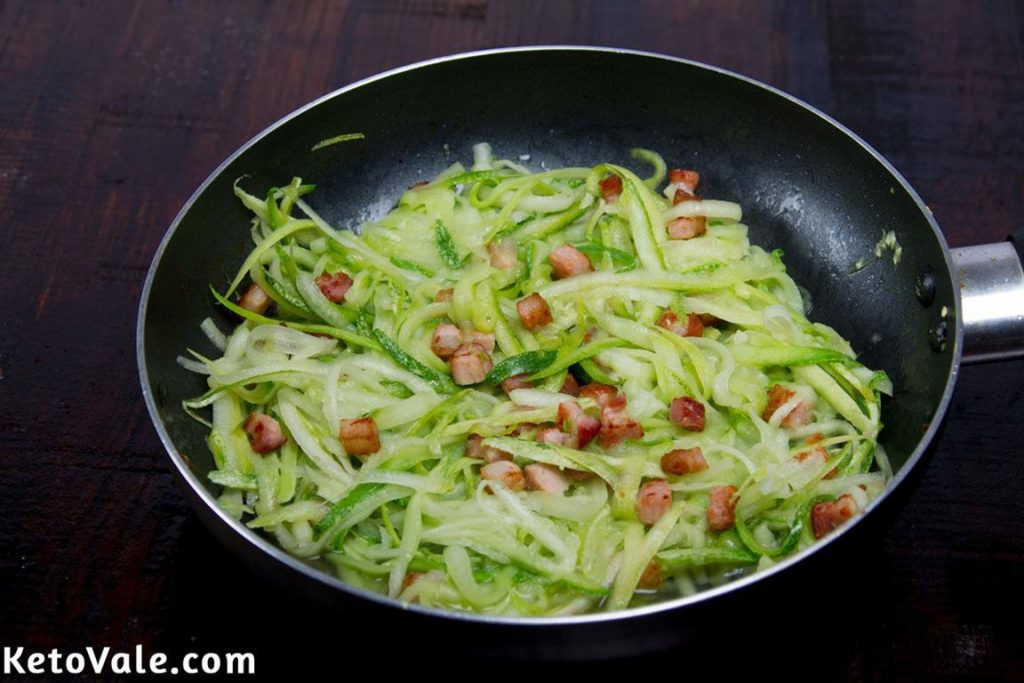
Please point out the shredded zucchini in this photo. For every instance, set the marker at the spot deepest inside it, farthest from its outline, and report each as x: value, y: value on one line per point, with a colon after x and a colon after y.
x: 421, y: 516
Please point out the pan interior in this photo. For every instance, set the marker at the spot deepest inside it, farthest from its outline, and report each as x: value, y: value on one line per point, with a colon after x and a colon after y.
x: 806, y: 187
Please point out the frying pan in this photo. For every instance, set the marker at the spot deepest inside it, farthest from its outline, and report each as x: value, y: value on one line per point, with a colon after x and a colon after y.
x: 807, y: 185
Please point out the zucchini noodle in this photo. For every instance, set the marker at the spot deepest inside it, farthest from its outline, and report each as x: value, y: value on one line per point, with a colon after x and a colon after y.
x: 788, y: 419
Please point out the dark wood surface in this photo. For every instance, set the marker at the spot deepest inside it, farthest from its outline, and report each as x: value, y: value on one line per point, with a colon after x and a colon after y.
x: 111, y: 113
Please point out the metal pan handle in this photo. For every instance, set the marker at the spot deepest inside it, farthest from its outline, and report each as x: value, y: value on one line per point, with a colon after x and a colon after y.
x: 991, y: 280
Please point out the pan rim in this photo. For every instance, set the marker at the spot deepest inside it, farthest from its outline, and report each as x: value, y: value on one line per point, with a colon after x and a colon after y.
x: 260, y: 543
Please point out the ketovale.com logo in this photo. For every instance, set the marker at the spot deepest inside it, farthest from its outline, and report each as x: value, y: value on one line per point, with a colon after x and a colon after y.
x: 97, y: 661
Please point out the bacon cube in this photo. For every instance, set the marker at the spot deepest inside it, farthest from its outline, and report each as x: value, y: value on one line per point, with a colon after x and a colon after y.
x: 359, y: 436
x: 264, y: 432
x: 334, y: 286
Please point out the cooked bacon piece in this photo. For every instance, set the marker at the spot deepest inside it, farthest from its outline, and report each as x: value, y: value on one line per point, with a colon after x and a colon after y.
x: 651, y: 578
x: 600, y: 394
x: 360, y: 436
x: 821, y: 455
x: 570, y: 385
x: 264, y: 432
x: 827, y: 516
x: 516, y: 382
x: 534, y: 311
x: 485, y: 340
x: 611, y: 188
x: 721, y: 508
x: 816, y: 437
x: 579, y: 475
x: 574, y: 421
x: 815, y: 453
x: 688, y: 413
x: 653, y: 501
x: 470, y: 364
x: 694, y: 326
x: 687, y: 227
x: 508, y: 473
x: 476, y: 449
x: 503, y: 254
x: 541, y: 477
x: 522, y: 428
x: 617, y: 425
x: 255, y: 299
x: 683, y: 461
x: 684, y: 179
x: 553, y: 436
x: 410, y: 579
x: 566, y: 261
x: 444, y: 295
x: 682, y: 195
x: 334, y: 286
x: 670, y: 322
x: 418, y: 184
x: 797, y: 417
x: 446, y: 340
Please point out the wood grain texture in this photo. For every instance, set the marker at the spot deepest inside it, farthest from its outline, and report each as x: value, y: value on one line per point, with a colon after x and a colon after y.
x: 111, y: 113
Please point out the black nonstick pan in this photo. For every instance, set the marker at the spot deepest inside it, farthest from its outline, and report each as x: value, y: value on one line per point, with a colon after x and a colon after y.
x: 807, y: 185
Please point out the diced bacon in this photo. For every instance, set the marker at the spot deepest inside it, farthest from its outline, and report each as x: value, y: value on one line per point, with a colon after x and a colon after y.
x: 681, y: 195
x: 553, y: 436
x: 651, y: 579
x: 541, y: 477
x: 446, y: 340
x: 721, y: 508
x: 683, y: 461
x: 419, y: 184
x: 617, y: 425
x: 694, y: 326
x: 470, y: 364
x: 359, y: 436
x: 503, y: 254
x: 653, y: 501
x: 534, y: 311
x: 687, y: 227
x: 827, y: 516
x: 816, y: 437
x: 410, y: 579
x: 255, y: 299
x: 579, y: 475
x: 816, y: 453
x: 444, y: 295
x: 566, y: 261
x: 506, y: 472
x: 600, y: 394
x: 688, y: 413
x: 264, y: 432
x: 522, y: 428
x: 570, y: 385
x: 476, y: 449
x: 797, y: 417
x: 670, y: 322
x: 334, y: 286
x: 684, y: 179
x: 611, y: 188
x: 580, y: 426
x: 516, y: 382
x: 485, y: 340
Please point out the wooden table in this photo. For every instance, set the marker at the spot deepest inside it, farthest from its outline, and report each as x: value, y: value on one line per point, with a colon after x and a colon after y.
x: 112, y: 112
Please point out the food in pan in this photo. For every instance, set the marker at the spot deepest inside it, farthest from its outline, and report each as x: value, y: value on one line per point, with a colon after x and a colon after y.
x: 533, y: 393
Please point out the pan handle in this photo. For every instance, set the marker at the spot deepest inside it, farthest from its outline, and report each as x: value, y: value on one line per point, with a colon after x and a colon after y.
x: 991, y: 279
